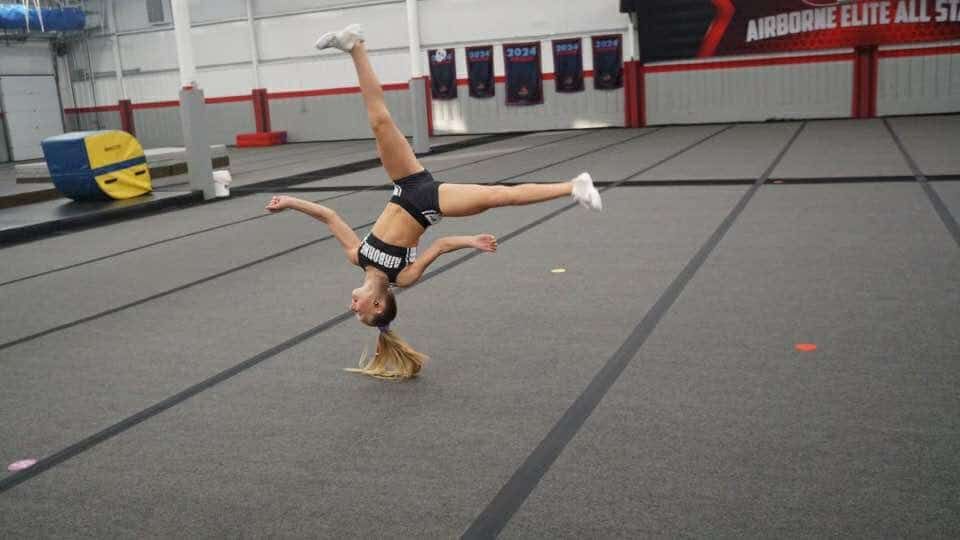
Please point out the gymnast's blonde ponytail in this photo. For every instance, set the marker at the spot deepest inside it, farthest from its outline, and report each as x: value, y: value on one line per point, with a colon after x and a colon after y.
x: 395, y: 359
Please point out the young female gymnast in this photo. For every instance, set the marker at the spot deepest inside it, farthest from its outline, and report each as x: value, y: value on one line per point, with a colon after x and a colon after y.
x: 388, y: 254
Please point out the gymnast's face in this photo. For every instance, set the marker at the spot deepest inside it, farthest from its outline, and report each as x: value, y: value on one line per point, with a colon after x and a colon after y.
x: 365, y: 305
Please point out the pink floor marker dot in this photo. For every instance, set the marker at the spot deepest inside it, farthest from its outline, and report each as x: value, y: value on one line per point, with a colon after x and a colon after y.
x: 806, y: 347
x: 21, y: 465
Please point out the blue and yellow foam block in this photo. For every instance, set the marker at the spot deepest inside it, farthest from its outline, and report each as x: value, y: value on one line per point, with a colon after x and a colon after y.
x: 97, y: 165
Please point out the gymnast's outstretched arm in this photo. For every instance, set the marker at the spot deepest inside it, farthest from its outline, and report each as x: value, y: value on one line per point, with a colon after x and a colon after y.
x: 343, y: 233
x: 411, y: 274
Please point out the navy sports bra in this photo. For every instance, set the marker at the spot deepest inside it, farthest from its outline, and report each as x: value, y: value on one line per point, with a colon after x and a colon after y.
x: 385, y: 257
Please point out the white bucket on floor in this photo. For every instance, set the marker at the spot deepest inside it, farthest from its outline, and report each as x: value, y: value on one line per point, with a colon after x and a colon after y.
x: 221, y: 183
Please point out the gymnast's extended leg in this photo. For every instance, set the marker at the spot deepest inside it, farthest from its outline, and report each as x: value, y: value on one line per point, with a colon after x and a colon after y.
x: 395, y: 153
x: 460, y: 200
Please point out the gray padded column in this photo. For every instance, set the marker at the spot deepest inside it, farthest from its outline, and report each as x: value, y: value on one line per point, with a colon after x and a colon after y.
x: 196, y: 140
x: 418, y: 100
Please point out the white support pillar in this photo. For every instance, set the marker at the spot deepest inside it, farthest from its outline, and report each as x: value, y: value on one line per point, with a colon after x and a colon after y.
x: 413, y: 33
x: 418, y: 87
x: 181, y: 32
x: 117, y: 60
x: 632, y: 49
x: 254, y: 51
x: 193, y: 108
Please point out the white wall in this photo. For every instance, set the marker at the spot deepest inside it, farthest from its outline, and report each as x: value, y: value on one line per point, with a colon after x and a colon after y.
x: 29, y: 58
x: 17, y: 60
x: 289, y: 61
x: 463, y: 23
x: 459, y: 22
x: 287, y: 29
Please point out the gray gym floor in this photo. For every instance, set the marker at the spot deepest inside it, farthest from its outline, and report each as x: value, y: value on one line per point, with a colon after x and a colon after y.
x: 181, y: 374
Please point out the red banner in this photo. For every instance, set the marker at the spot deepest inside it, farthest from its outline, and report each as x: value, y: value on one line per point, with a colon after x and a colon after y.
x: 767, y: 26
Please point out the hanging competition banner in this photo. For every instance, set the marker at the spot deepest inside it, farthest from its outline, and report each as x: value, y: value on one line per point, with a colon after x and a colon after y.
x: 608, y: 62
x: 480, y: 72
x: 774, y: 26
x: 524, y: 77
x: 568, y: 65
x: 443, y: 73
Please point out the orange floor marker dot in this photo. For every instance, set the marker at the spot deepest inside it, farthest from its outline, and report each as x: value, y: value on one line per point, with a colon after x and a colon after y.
x: 806, y: 347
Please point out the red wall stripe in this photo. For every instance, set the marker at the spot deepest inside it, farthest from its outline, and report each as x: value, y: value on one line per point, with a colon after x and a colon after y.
x: 926, y: 51
x: 668, y: 68
x: 228, y: 99
x: 757, y: 62
x: 155, y: 105
x: 391, y: 87
x: 333, y: 91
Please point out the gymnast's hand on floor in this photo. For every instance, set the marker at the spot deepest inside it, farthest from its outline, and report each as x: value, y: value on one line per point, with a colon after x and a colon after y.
x: 485, y: 242
x: 278, y: 204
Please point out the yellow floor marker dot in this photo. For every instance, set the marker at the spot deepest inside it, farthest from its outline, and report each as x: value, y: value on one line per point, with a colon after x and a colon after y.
x: 558, y: 270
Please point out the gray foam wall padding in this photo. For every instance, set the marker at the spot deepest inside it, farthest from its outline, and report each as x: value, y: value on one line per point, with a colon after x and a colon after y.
x: 334, y: 117
x: 313, y: 118
x: 342, y: 116
x: 91, y: 121
x: 161, y: 126
x: 158, y: 127
x: 590, y: 108
x: 229, y: 119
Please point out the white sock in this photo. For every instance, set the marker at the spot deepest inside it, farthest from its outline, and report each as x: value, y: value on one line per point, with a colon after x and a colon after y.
x: 586, y: 194
x: 344, y: 39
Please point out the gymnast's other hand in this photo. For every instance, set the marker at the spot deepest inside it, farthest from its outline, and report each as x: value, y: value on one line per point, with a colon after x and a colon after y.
x: 278, y: 203
x: 485, y: 242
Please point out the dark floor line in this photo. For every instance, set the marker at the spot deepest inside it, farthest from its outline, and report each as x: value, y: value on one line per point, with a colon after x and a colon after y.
x: 352, y: 191
x: 151, y: 244
x: 498, y: 156
x: 58, y: 227
x: 73, y: 450
x: 180, y: 288
x: 594, y: 150
x: 243, y: 158
x: 949, y: 221
x: 168, y: 292
x: 843, y: 180
x: 373, y: 163
x: 700, y: 182
x: 389, y: 186
x: 239, y: 174
x: 514, y: 493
